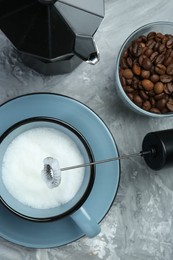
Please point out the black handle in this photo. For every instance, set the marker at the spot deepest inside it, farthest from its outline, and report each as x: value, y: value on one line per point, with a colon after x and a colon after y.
x: 161, y: 145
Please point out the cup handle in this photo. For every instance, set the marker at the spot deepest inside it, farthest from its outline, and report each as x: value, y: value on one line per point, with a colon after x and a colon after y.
x: 86, y: 222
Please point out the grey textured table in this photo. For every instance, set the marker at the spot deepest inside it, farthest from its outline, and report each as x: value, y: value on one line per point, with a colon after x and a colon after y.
x: 139, y: 224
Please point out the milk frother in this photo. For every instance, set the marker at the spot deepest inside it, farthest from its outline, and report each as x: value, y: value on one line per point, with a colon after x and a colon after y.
x: 157, y: 151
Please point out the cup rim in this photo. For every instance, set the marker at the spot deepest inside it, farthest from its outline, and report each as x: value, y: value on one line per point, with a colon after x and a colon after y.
x: 89, y: 152
x: 130, y: 103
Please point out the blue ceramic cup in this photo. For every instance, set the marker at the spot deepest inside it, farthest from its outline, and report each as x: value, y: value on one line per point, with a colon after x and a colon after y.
x: 74, y: 208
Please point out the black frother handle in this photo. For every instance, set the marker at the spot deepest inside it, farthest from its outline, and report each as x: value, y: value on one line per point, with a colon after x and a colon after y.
x: 161, y: 145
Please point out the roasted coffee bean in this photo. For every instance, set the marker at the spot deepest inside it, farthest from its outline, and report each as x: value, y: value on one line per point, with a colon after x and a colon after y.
x: 136, y: 79
x: 125, y: 54
x: 161, y: 48
x: 137, y: 100
x: 154, y: 78
x: 156, y: 47
x: 169, y: 105
x: 166, y: 90
x: 146, y: 63
x: 168, y: 53
x: 148, y: 52
x: 136, y: 69
x: 128, y: 89
x: 130, y: 95
x: 167, y: 97
x: 137, y: 49
x: 151, y: 93
x: 147, y: 84
x: 155, y: 110
x: 137, y: 40
x: 140, y: 59
x: 159, y: 37
x: 120, y: 73
x: 164, y: 111
x: 169, y: 35
x: 129, y: 81
x: 128, y: 74
x: 165, y: 39
x: 144, y: 49
x: 171, y: 53
x: 135, y: 84
x: 169, y: 43
x: 143, y: 46
x: 124, y: 64
x: 158, y: 87
x: 170, y: 87
x: 123, y: 81
x: 143, y: 94
x: 150, y: 43
x: 146, y: 105
x: 169, y: 69
x: 145, y: 74
x: 160, y: 69
x: 152, y: 101
x: 152, y: 70
x: 167, y: 61
x: 165, y: 78
x: 129, y: 51
x: 129, y: 62
x: 143, y: 38
x: 160, y: 104
x: 151, y: 35
x: 140, y: 87
x: 160, y: 58
x: 159, y: 96
x: 153, y: 56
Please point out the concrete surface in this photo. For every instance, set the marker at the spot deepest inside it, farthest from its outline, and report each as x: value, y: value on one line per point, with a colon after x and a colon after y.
x: 139, y: 225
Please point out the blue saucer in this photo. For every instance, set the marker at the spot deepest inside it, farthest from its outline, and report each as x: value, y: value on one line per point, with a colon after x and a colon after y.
x: 60, y: 232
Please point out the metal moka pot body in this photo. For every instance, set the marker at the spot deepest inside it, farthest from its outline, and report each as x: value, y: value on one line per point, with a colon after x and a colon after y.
x: 53, y: 37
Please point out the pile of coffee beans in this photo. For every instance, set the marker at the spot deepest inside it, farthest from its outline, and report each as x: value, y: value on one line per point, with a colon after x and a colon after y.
x: 146, y: 72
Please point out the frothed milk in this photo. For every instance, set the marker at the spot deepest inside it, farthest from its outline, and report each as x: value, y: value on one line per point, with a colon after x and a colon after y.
x: 23, y: 163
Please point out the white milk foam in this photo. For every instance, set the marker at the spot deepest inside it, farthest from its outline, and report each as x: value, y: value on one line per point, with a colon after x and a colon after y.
x: 23, y: 163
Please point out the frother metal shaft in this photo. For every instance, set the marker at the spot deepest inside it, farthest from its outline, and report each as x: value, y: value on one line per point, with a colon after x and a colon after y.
x: 127, y: 156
